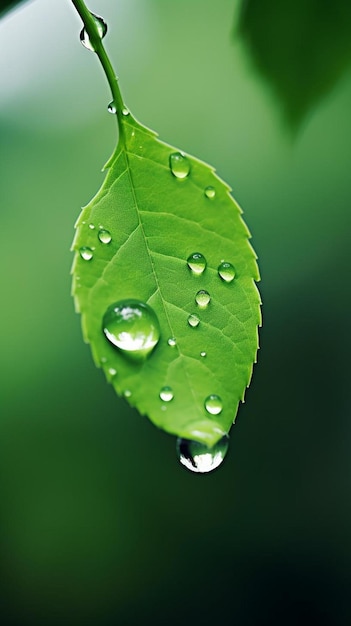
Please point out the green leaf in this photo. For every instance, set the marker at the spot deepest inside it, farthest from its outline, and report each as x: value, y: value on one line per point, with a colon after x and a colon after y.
x: 156, y: 221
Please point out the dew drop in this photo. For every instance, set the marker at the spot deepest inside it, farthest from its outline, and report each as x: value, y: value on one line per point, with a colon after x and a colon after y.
x: 132, y: 326
x: 179, y: 164
x: 112, y: 107
x: 172, y: 342
x: 86, y: 253
x: 112, y: 371
x: 104, y: 235
x: 125, y: 112
x: 197, y: 263
x: 213, y: 404
x: 91, y: 226
x: 101, y: 27
x: 210, y: 192
x: 127, y: 393
x: 199, y: 458
x: 202, y: 298
x: 166, y: 394
x: 193, y: 321
x: 203, y: 353
x: 226, y: 271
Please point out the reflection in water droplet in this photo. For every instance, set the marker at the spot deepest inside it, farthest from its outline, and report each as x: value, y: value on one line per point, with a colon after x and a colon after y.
x: 125, y: 112
x: 226, y: 271
x: 132, y: 326
x: 104, y: 236
x: 112, y: 107
x: 86, y: 253
x: 210, y: 192
x: 101, y: 27
x: 193, y: 321
x: 197, y: 457
x: 172, y: 342
x: 179, y: 164
x: 203, y: 353
x: 202, y: 298
x: 213, y: 404
x: 112, y: 371
x: 197, y: 263
x: 166, y: 394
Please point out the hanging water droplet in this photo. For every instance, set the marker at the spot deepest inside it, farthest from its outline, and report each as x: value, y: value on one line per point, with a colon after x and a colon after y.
x: 86, y: 253
x: 203, y: 353
x: 166, y: 394
x: 199, y: 458
x: 202, y: 298
x: 132, y: 326
x: 193, y: 321
x: 226, y: 271
x: 172, y: 342
x: 179, y: 164
x: 101, y: 28
x: 213, y: 404
x: 112, y: 371
x: 112, y: 107
x: 197, y: 263
x: 125, y: 111
x: 210, y: 192
x: 104, y: 235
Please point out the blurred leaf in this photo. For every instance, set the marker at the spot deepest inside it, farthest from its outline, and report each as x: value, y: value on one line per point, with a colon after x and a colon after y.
x: 300, y: 46
x: 6, y: 5
x: 155, y: 209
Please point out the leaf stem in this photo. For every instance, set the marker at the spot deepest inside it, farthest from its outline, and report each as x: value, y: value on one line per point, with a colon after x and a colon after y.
x: 96, y: 41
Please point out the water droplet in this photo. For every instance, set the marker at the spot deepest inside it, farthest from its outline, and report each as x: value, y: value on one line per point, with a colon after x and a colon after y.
x: 101, y: 27
x: 166, y: 394
x: 199, y: 458
x: 132, y: 326
x: 104, y: 236
x: 125, y: 112
x: 112, y: 371
x: 210, y: 192
x: 91, y: 226
x: 197, y: 263
x: 202, y: 298
x: 172, y: 341
x: 127, y: 393
x: 86, y: 253
x: 193, y: 321
x: 226, y: 271
x: 179, y: 164
x: 213, y: 404
x: 203, y: 353
x: 103, y: 359
x: 112, y: 107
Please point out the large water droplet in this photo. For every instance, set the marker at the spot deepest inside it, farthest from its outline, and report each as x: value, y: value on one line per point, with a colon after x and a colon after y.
x: 210, y: 192
x: 132, y: 326
x: 166, y: 394
x: 197, y: 263
x: 213, y: 404
x: 172, y: 342
x: 179, y: 164
x: 193, y: 321
x: 202, y: 298
x: 226, y: 271
x: 104, y: 235
x: 197, y: 457
x: 86, y: 253
x: 101, y: 27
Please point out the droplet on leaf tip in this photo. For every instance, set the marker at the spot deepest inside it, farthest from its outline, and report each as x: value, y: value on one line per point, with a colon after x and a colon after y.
x: 213, y: 404
x: 179, y: 164
x: 197, y: 263
x: 202, y: 298
x: 86, y: 253
x: 101, y: 27
x: 132, y: 326
x: 199, y: 458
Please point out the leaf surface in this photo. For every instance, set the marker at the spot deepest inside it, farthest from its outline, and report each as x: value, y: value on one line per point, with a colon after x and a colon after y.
x: 156, y: 222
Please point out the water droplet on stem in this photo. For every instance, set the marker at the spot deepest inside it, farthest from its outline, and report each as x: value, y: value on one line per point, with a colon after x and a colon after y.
x: 199, y: 458
x: 101, y: 28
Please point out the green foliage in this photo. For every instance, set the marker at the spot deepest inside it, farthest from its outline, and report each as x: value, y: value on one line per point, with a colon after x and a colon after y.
x: 155, y: 220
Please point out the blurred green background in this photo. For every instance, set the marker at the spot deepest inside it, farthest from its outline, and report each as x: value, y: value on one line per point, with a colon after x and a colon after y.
x: 99, y: 523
